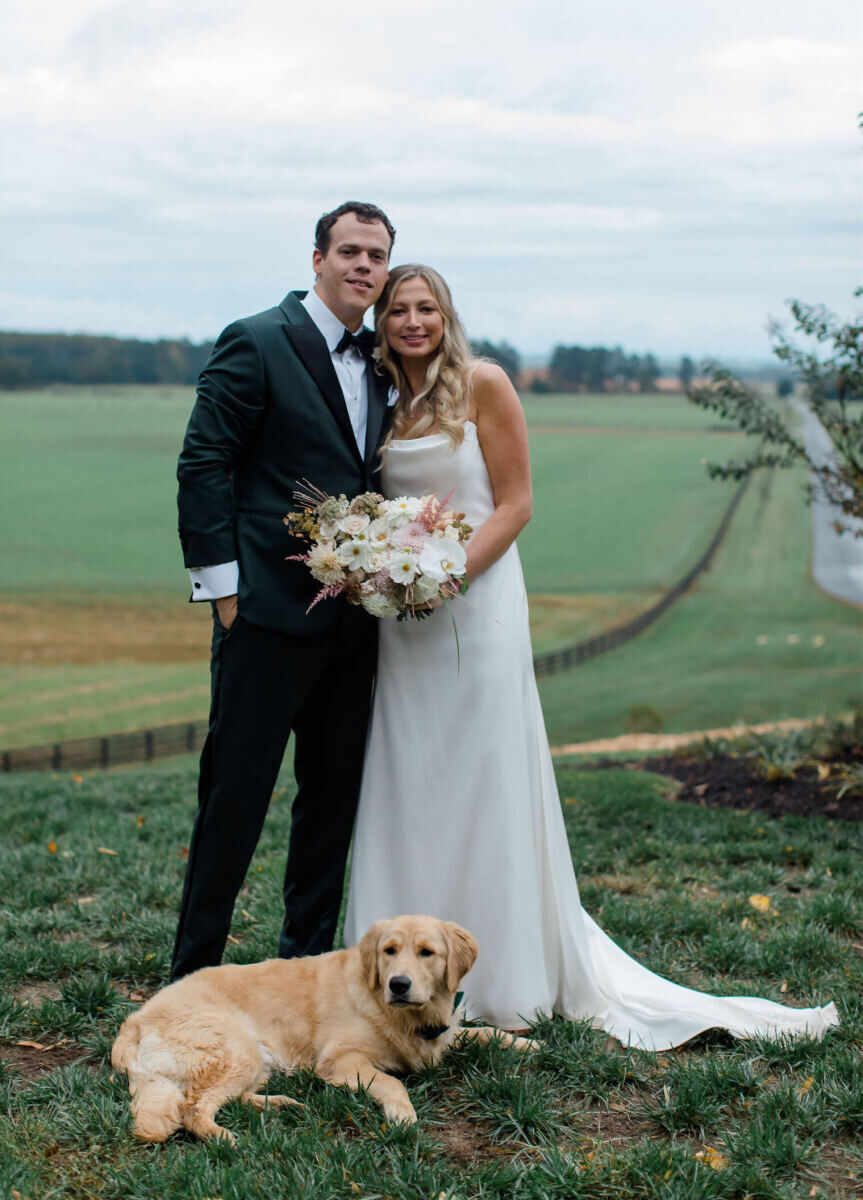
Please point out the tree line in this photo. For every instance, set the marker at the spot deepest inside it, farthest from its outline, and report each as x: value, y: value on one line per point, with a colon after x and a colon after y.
x: 603, y: 369
x: 39, y: 359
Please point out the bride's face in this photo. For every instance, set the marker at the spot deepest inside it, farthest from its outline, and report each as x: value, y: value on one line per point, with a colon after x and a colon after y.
x: 414, y: 326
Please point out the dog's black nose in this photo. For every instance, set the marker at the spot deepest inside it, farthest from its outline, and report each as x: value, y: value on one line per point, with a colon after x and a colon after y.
x: 400, y: 985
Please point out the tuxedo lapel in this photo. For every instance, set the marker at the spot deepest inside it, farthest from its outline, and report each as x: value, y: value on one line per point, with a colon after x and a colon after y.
x: 376, y: 426
x: 312, y: 350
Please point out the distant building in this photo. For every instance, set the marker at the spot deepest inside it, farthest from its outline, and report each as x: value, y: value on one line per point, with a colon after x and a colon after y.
x: 670, y: 383
x: 528, y: 375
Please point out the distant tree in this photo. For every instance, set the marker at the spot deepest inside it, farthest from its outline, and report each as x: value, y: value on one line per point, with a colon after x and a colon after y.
x: 686, y: 371
x: 831, y: 386
x: 568, y: 368
x: 502, y: 353
x: 618, y: 369
x: 539, y: 386
x: 648, y: 373
x: 597, y: 368
x: 38, y: 359
x: 784, y: 387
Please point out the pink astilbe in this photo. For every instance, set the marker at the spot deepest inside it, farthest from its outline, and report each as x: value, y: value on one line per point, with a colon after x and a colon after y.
x: 326, y: 592
x: 429, y: 515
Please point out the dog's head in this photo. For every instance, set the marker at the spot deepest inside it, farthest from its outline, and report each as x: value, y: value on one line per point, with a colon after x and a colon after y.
x: 412, y: 959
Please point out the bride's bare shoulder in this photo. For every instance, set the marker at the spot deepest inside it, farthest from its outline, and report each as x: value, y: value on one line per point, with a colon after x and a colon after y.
x: 486, y: 375
x: 489, y: 388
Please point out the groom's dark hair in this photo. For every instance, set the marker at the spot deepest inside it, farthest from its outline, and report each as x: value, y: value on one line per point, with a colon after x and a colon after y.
x: 368, y: 213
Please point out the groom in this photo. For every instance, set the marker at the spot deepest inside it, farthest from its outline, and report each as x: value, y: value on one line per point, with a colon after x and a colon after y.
x: 287, y: 395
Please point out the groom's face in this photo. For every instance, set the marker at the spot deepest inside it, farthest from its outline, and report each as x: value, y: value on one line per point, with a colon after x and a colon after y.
x: 352, y: 273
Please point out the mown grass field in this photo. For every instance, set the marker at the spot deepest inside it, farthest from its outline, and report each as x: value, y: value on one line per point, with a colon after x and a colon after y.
x: 92, y: 870
x: 96, y: 637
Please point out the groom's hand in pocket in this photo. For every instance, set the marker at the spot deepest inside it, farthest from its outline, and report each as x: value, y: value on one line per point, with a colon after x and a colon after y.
x: 226, y: 610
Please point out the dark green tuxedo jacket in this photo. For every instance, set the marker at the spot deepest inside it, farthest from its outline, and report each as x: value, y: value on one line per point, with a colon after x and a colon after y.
x: 269, y: 414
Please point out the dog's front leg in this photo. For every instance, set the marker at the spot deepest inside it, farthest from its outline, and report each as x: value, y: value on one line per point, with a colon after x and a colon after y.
x: 488, y: 1033
x: 353, y: 1069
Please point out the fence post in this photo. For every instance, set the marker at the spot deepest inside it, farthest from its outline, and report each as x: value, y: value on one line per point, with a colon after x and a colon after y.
x: 104, y: 751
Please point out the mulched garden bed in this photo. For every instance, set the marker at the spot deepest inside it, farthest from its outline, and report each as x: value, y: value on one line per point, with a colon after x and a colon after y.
x: 732, y: 782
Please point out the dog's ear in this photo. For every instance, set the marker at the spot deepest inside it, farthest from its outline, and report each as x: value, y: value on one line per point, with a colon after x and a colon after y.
x: 369, y: 956
x: 461, y: 955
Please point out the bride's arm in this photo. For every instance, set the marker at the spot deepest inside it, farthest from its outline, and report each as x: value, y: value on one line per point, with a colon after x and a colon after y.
x: 502, y: 432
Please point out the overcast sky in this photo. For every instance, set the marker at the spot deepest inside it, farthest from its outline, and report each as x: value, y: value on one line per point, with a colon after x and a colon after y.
x: 663, y: 174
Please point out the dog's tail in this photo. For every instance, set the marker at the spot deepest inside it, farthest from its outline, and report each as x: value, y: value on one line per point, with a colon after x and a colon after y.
x: 157, y: 1100
x: 125, y: 1048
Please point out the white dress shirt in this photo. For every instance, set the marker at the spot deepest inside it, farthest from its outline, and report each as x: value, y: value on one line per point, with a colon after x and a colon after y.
x: 214, y: 582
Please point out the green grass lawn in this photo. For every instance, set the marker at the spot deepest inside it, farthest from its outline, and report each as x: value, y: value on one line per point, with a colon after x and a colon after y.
x: 753, y: 641
x: 652, y: 414
x: 91, y: 476
x: 92, y: 872
x: 622, y: 508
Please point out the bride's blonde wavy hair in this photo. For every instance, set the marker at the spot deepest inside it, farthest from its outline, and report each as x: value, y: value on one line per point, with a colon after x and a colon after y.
x: 441, y: 404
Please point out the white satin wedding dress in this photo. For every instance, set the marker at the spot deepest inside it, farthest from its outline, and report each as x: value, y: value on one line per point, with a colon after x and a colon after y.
x: 459, y: 815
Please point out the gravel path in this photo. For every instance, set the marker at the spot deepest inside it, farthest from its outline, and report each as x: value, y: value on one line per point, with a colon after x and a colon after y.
x: 642, y: 742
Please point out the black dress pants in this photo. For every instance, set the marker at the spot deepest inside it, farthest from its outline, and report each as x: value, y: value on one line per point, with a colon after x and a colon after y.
x: 265, y: 684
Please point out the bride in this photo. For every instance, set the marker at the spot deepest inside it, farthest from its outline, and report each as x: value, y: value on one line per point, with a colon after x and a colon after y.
x: 459, y: 814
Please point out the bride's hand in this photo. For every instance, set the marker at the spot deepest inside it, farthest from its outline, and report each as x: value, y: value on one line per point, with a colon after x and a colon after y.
x: 428, y: 606
x: 450, y: 589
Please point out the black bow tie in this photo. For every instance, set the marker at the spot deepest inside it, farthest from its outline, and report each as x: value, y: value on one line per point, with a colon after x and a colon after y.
x: 364, y: 341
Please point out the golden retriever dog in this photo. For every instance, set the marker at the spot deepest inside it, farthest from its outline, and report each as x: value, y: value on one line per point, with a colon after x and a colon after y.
x: 351, y: 1015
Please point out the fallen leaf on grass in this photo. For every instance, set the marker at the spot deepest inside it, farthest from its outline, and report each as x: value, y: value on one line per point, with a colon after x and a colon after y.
x: 784, y: 987
x: 140, y: 822
x: 138, y: 997
x: 86, y: 899
x: 712, y: 1158
x: 236, y: 941
x: 77, y: 779
x: 105, y: 850
x: 744, y: 923
x: 806, y: 1085
x: 823, y: 771
x: 762, y: 903
x: 32, y: 1045
x: 184, y: 853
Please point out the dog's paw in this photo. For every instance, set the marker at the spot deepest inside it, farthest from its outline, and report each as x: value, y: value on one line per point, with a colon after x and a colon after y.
x: 521, y: 1043
x: 224, y: 1135
x: 400, y: 1112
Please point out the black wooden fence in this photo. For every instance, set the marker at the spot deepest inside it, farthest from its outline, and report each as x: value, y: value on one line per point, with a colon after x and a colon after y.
x: 142, y: 745
x: 147, y: 744
x: 579, y: 652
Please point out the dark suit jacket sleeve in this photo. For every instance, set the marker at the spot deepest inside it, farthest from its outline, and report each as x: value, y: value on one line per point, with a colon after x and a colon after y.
x: 229, y: 408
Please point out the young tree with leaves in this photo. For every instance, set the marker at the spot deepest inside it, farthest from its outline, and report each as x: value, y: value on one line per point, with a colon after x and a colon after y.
x: 832, y: 391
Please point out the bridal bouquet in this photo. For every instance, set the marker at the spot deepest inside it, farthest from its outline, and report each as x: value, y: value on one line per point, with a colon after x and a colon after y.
x: 386, y: 555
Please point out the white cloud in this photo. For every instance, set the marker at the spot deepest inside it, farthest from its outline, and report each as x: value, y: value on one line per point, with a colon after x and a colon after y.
x: 181, y: 154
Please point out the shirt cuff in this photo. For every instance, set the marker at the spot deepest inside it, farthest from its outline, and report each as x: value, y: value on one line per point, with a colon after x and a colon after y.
x: 212, y: 583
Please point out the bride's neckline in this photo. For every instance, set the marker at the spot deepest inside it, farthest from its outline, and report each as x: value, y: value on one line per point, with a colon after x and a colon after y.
x: 425, y: 437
